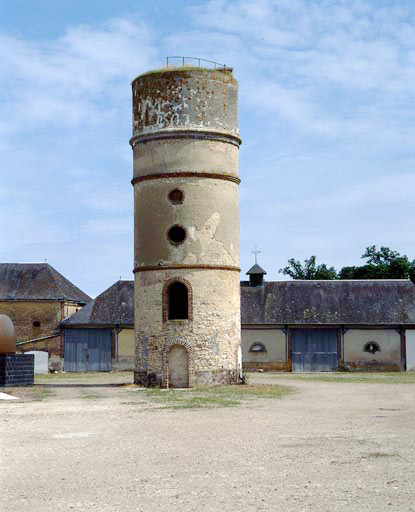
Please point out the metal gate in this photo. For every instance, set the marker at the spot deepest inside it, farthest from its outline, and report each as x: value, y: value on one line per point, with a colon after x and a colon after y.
x: 314, y: 350
x: 88, y: 350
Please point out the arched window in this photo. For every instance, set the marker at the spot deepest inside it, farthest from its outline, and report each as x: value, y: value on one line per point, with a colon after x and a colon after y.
x: 257, y: 347
x: 178, y: 301
x: 372, y: 347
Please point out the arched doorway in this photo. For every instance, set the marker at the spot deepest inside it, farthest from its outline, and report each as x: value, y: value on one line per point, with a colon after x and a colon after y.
x: 178, y: 367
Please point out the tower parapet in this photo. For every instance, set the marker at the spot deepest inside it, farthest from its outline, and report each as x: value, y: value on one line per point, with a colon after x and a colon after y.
x: 187, y: 294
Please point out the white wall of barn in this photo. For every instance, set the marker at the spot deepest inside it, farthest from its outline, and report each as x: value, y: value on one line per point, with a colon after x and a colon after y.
x: 410, y: 350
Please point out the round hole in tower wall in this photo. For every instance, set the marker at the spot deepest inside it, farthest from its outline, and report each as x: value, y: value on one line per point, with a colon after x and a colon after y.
x: 176, y: 196
x: 176, y: 234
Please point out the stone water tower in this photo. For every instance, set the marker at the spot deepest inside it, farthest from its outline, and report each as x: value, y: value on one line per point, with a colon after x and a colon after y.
x: 187, y: 288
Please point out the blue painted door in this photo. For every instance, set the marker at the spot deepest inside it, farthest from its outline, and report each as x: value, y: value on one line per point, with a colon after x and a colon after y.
x: 88, y: 350
x: 314, y: 350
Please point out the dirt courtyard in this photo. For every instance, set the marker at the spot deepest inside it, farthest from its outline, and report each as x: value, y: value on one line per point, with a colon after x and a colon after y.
x: 337, y: 443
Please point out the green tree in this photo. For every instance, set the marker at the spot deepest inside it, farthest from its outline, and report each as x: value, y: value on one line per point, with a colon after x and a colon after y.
x: 381, y: 264
x: 383, y: 256
x: 309, y: 270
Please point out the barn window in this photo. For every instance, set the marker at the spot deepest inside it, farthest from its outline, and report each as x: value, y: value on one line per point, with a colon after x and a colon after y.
x: 372, y: 347
x: 36, y: 323
x: 257, y: 347
x: 178, y: 301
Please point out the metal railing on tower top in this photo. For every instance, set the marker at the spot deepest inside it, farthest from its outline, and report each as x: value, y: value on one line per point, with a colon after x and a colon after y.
x: 194, y: 62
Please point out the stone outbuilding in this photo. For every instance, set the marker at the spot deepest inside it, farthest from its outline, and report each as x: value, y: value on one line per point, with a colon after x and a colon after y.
x: 38, y: 298
x: 100, y: 337
x: 329, y: 325
x: 286, y: 325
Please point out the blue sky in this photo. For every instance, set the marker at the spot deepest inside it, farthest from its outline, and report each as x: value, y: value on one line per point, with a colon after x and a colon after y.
x: 327, y: 106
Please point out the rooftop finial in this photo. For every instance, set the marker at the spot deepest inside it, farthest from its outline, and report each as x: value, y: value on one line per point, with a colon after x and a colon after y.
x: 256, y: 252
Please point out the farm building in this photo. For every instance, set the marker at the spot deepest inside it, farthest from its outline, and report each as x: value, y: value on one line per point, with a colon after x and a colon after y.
x: 100, y: 337
x: 38, y: 298
x: 286, y: 326
x: 328, y: 325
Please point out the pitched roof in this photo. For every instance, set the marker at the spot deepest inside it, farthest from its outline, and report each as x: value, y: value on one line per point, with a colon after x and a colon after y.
x: 337, y: 302
x: 37, y: 281
x: 256, y: 269
x: 115, y: 306
x: 363, y: 302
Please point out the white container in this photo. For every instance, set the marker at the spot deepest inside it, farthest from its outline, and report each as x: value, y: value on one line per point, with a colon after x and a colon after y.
x: 41, y: 361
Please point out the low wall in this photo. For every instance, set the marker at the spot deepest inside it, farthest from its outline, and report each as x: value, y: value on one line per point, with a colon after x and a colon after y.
x: 275, y: 366
x: 17, y: 369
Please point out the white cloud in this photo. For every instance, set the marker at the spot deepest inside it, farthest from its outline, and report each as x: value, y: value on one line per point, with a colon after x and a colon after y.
x: 65, y: 104
x: 339, y: 68
x: 73, y: 79
x: 326, y: 110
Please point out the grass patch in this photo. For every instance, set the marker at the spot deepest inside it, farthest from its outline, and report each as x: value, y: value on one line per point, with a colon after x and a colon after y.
x: 39, y: 394
x: 90, y: 396
x: 356, y: 377
x: 380, y: 455
x: 62, y: 376
x: 211, y: 397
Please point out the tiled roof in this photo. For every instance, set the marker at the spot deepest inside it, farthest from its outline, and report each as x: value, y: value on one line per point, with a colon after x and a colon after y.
x: 337, y: 302
x: 115, y: 306
x: 37, y: 281
x: 256, y: 269
x: 360, y: 302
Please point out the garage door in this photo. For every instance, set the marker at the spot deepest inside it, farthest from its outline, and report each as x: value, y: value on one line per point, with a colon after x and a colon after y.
x: 314, y: 350
x: 88, y: 350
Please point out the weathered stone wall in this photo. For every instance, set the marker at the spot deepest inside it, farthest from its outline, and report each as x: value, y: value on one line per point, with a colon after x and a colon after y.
x: 185, y: 137
x: 275, y: 344
x: 49, y: 314
x: 387, y: 358
x: 70, y: 309
x: 213, y: 335
x: 26, y: 314
x: 209, y: 214
x: 193, y: 98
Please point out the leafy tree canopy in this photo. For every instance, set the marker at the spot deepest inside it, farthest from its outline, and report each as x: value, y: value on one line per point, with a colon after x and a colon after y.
x: 383, y: 256
x: 309, y: 270
x: 381, y: 264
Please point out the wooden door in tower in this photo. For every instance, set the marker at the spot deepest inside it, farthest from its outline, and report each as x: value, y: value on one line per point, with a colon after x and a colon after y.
x: 178, y: 365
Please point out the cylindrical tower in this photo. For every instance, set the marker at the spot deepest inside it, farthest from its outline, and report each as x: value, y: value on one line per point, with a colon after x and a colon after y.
x: 187, y: 289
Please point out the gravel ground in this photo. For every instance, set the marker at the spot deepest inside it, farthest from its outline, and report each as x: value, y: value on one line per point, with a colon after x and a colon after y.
x: 331, y: 446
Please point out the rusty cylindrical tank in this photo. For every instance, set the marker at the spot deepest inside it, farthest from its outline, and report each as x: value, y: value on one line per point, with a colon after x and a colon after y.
x: 7, y: 335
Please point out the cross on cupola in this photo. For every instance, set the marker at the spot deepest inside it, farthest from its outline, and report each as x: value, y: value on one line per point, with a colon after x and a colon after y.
x: 256, y: 252
x: 256, y: 273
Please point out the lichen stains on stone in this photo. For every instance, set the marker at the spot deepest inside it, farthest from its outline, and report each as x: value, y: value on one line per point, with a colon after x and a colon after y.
x: 171, y: 100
